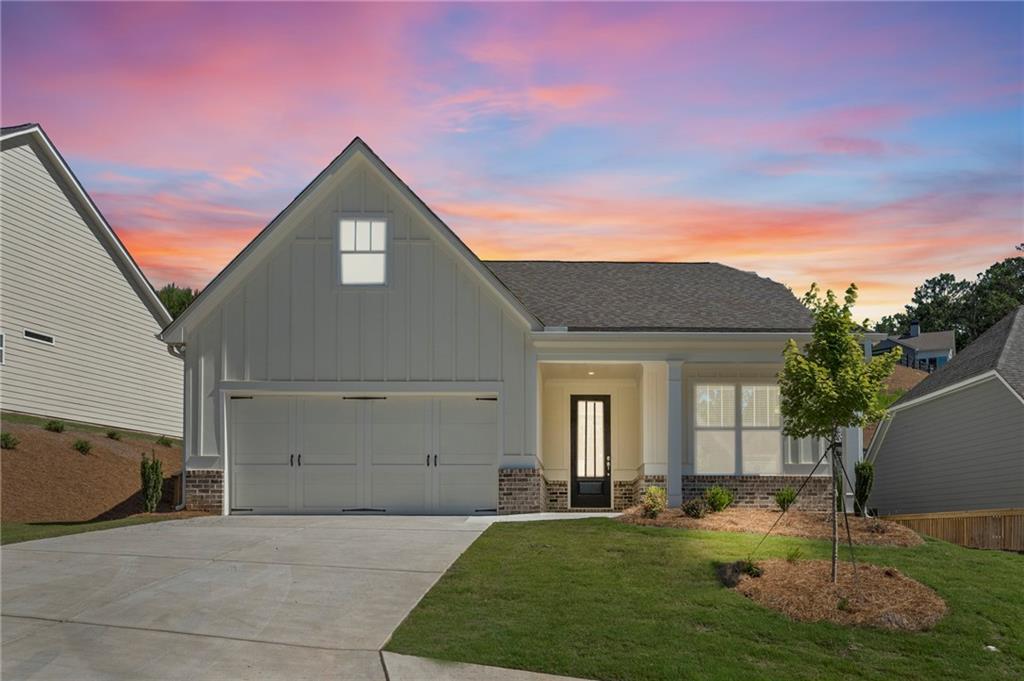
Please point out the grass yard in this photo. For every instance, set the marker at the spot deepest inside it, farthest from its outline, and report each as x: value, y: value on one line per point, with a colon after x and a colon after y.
x: 605, y: 600
x: 12, y: 533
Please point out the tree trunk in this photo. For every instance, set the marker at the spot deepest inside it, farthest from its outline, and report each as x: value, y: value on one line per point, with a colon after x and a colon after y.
x: 835, y: 514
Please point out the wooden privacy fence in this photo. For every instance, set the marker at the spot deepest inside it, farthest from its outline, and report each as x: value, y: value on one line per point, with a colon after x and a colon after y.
x: 999, y: 528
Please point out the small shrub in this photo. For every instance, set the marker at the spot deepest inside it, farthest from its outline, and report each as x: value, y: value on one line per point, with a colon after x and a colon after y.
x: 54, y: 426
x: 8, y: 441
x: 752, y: 569
x: 164, y: 441
x: 844, y: 604
x: 784, y: 498
x: 152, y: 473
x: 718, y: 498
x: 82, y: 446
x: 864, y: 480
x: 113, y: 435
x: 794, y: 554
x: 696, y: 507
x: 653, y: 501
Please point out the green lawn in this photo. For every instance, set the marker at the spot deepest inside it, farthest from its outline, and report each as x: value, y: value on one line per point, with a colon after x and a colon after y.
x: 12, y: 533
x: 12, y: 417
x: 603, y: 600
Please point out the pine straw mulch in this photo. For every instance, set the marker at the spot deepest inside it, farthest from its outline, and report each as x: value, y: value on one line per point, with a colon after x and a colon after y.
x: 881, y: 596
x: 45, y: 480
x: 867, y: 531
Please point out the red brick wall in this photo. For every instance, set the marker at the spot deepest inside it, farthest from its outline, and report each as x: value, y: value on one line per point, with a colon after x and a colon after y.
x: 204, y: 490
x: 758, y: 490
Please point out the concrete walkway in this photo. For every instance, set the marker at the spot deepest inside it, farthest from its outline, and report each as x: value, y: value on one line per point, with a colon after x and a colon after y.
x: 283, y: 597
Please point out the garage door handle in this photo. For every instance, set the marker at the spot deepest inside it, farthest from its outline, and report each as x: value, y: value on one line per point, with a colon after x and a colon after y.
x: 428, y: 459
x: 300, y: 459
x: 435, y: 460
x: 291, y: 459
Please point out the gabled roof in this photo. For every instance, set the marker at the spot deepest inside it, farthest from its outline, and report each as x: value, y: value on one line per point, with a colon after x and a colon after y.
x: 221, y: 284
x: 1000, y: 349
x: 652, y: 296
x: 931, y: 340
x: 109, y: 239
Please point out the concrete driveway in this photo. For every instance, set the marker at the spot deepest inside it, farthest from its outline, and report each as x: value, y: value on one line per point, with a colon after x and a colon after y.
x: 291, y: 597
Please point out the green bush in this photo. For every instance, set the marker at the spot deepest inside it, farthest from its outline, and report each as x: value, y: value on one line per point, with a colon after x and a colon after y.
x: 113, y: 435
x: 865, y: 479
x: 784, y: 498
x: 151, y: 471
x: 8, y: 441
x: 653, y: 501
x: 54, y: 426
x: 696, y: 507
x: 82, y: 446
x: 164, y: 441
x: 718, y: 498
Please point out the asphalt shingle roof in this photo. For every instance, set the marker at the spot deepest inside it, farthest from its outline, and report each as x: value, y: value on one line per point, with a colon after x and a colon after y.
x: 651, y: 296
x: 1001, y: 348
x: 931, y: 340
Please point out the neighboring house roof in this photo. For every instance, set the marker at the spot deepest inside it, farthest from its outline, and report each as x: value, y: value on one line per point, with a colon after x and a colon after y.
x: 924, y: 342
x: 133, y: 273
x: 651, y: 296
x: 1000, y: 349
x: 357, y: 146
x: 902, y: 378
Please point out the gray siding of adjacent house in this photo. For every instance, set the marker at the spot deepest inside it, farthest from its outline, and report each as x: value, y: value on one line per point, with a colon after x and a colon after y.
x: 433, y: 323
x: 106, y: 365
x: 962, y: 451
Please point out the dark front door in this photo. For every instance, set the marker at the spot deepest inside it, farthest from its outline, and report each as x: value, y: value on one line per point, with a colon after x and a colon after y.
x: 591, y: 452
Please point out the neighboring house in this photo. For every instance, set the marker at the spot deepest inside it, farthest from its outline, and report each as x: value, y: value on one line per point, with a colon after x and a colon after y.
x: 924, y: 351
x: 955, y: 442
x: 356, y: 355
x: 78, y: 320
x: 899, y: 382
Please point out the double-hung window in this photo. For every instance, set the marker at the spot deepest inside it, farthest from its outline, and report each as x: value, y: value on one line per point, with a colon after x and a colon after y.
x: 714, y: 428
x: 363, y: 251
x: 737, y: 429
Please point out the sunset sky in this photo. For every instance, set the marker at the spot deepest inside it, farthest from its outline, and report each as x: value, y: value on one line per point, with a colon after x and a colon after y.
x: 875, y: 143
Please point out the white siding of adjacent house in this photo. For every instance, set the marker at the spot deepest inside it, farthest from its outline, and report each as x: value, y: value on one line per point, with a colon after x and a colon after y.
x: 963, y: 451
x: 106, y: 365
x: 289, y: 321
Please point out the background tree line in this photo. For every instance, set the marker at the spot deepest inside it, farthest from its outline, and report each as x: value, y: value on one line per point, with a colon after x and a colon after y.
x: 969, y: 308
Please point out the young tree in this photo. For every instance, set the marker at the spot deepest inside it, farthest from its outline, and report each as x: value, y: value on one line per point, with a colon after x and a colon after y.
x: 828, y: 386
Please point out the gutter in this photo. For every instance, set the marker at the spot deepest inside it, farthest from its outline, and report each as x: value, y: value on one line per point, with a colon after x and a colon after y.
x: 178, y: 350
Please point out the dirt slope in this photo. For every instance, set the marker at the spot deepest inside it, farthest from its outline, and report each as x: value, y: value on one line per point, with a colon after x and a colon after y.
x: 44, y: 479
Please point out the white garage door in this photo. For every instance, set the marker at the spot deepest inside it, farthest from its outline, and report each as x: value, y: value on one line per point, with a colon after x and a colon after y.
x: 396, y: 455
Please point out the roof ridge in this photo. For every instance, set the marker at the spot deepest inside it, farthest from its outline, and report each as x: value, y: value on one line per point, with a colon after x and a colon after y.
x: 614, y: 262
x: 1009, y: 335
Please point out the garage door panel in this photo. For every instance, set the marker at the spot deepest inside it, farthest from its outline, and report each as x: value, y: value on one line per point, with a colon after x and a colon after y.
x: 262, y: 488
x: 329, y: 432
x: 465, y: 489
x: 399, y: 489
x: 399, y: 432
x: 329, y: 488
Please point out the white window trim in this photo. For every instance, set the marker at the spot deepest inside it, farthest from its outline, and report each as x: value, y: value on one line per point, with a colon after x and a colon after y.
x: 3, y: 348
x: 362, y: 215
x: 737, y: 428
x: 52, y: 341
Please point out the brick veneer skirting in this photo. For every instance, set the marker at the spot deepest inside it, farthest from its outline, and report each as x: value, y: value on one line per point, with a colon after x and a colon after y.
x: 556, y: 493
x: 520, y: 490
x: 758, y: 490
x: 204, y: 490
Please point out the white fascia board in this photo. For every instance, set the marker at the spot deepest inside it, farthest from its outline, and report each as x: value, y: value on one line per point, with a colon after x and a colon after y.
x: 136, y: 277
x: 560, y: 336
x: 966, y: 383
x: 363, y: 388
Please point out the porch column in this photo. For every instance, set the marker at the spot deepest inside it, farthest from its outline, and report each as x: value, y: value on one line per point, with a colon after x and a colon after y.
x: 674, y: 479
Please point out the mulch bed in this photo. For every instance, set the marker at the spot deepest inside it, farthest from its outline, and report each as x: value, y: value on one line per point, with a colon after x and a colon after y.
x: 44, y: 479
x: 866, y: 531
x: 879, y: 597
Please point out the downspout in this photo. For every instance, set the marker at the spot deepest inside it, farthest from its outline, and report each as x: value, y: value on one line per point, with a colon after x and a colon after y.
x: 178, y: 350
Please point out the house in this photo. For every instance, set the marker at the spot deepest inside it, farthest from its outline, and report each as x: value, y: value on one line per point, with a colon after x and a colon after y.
x: 955, y: 442
x: 925, y: 351
x: 78, y: 319
x: 357, y: 356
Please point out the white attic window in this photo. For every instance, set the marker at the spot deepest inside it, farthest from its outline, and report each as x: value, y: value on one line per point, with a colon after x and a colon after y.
x: 363, y: 251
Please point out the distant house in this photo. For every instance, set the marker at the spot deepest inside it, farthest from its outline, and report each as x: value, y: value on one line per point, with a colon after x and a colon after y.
x: 925, y: 351
x: 955, y: 442
x: 78, y: 319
